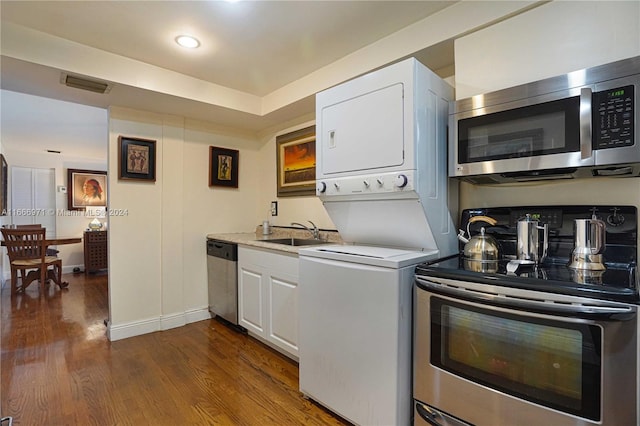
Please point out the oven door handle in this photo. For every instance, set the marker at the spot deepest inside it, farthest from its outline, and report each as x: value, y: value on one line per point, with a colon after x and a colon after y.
x: 437, y: 418
x: 428, y: 415
x: 621, y: 313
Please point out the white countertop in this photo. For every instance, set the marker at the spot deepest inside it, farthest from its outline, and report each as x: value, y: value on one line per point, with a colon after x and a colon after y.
x: 256, y: 239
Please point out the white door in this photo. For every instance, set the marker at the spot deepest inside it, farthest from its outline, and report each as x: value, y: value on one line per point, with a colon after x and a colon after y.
x: 355, y: 339
x: 33, y: 197
x: 283, y: 311
x: 250, y: 298
x: 363, y: 132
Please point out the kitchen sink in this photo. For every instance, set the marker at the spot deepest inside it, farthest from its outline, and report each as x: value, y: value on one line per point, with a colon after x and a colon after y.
x: 294, y: 241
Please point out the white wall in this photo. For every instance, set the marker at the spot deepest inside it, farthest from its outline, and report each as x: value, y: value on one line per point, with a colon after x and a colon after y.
x: 157, y: 259
x: 560, y: 37
x: 135, y: 239
x: 553, y: 39
x: 214, y: 209
x: 158, y: 275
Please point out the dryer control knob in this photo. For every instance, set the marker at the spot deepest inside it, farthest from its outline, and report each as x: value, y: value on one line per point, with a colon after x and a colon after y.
x: 380, y: 181
x: 366, y: 183
x: 336, y: 185
x: 401, y: 181
x: 322, y: 187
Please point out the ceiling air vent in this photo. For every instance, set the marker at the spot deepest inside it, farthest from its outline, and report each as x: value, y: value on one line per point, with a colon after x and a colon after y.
x: 85, y: 84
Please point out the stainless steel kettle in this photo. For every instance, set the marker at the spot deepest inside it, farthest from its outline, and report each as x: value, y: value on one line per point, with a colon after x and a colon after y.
x: 529, y: 247
x: 481, y: 252
x: 589, y: 244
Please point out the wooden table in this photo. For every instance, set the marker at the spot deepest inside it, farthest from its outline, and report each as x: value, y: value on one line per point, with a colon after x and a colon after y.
x: 57, y: 241
x: 51, y: 275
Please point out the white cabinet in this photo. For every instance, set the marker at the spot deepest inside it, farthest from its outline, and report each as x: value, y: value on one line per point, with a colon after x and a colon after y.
x: 268, y: 297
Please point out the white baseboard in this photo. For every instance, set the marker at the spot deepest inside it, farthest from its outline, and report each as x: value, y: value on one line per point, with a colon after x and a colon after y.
x: 195, y: 315
x: 176, y: 320
x: 160, y: 323
x: 136, y: 328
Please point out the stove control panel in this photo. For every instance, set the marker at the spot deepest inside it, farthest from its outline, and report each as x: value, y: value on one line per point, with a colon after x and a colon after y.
x: 552, y: 217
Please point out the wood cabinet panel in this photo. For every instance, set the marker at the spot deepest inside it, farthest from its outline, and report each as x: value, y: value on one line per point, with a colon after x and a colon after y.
x: 95, y: 251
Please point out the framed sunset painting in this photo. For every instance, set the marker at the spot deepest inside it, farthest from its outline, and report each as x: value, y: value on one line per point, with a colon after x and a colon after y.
x: 296, y: 162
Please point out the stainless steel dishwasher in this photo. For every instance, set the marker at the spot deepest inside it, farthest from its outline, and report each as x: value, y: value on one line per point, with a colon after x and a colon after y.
x: 222, y: 272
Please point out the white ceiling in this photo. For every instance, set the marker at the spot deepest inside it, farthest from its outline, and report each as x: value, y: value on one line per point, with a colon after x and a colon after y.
x: 253, y: 50
x: 251, y: 46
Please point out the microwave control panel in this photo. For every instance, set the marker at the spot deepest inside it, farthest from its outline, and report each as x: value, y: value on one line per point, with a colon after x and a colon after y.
x: 613, y: 118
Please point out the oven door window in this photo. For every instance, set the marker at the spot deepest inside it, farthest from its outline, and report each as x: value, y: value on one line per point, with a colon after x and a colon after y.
x: 547, y: 128
x: 549, y: 362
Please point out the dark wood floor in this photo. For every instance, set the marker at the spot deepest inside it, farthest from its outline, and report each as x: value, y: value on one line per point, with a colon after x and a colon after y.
x: 58, y: 368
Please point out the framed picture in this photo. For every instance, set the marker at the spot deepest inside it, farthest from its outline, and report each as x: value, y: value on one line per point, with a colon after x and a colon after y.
x: 3, y: 185
x: 136, y: 159
x: 296, y: 162
x: 86, y: 188
x: 223, y: 167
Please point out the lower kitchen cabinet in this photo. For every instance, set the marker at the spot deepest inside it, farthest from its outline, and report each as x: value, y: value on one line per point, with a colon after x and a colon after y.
x: 268, y: 297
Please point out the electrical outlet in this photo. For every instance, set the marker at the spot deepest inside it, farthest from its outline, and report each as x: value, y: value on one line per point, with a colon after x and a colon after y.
x: 274, y: 208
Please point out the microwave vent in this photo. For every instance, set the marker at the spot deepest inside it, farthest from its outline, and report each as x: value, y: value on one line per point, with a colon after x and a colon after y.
x: 84, y: 83
x: 530, y: 175
x: 614, y: 171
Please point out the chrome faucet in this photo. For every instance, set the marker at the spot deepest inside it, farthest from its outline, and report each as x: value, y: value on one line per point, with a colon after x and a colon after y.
x: 314, y: 231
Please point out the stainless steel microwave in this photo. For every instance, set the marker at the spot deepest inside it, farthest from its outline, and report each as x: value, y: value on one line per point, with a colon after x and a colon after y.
x: 585, y: 123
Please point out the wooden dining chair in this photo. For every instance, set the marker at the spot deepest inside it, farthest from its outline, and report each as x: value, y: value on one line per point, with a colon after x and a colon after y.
x: 27, y: 252
x: 50, y: 251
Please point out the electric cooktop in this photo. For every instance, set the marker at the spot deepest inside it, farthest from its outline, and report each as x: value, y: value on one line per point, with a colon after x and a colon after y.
x: 618, y: 282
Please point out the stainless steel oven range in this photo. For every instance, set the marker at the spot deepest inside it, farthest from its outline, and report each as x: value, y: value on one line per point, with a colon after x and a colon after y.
x: 548, y: 341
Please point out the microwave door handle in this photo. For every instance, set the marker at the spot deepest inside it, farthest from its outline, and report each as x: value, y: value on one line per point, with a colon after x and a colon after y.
x: 585, y: 123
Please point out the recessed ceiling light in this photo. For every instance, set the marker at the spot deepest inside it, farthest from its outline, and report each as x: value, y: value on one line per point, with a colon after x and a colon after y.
x: 187, y: 41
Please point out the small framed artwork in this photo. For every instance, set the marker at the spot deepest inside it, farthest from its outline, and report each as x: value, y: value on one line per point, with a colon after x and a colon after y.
x: 86, y: 188
x: 3, y: 185
x: 223, y: 167
x: 136, y: 159
x: 296, y: 162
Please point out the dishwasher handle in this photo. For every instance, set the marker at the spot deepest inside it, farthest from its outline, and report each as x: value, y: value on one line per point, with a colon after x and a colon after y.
x: 222, y: 249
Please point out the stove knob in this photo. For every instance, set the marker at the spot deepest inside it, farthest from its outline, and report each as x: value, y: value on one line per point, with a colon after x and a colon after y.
x: 322, y: 187
x: 401, y: 181
x: 615, y: 219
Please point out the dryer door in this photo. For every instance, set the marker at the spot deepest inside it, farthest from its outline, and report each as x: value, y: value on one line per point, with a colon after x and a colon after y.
x: 363, y: 132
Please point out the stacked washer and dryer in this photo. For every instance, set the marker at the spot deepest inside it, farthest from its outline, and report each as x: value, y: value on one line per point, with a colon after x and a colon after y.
x: 381, y: 175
